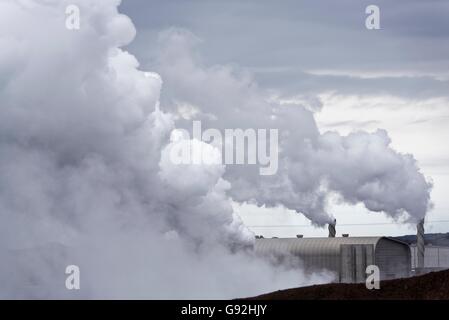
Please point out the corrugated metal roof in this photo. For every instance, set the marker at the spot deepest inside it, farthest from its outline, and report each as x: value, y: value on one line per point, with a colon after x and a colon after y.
x: 313, y: 246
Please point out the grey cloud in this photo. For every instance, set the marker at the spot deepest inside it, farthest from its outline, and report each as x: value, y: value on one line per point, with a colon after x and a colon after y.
x: 304, y: 35
x: 352, y: 123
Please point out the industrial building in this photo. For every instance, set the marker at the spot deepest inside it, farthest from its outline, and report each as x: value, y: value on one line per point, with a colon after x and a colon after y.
x: 348, y: 257
x: 435, y: 258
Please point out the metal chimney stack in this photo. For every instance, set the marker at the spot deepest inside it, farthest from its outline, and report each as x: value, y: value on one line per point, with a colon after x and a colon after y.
x: 331, y: 228
x: 420, y: 245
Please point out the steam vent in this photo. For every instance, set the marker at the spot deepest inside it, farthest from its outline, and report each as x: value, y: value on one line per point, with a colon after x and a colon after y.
x: 332, y: 230
x: 420, y: 245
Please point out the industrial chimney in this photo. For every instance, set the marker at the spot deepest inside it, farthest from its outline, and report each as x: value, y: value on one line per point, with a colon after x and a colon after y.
x: 331, y: 228
x: 420, y: 245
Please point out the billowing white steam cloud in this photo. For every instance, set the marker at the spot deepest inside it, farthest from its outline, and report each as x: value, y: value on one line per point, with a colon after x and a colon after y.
x: 360, y: 168
x: 85, y: 179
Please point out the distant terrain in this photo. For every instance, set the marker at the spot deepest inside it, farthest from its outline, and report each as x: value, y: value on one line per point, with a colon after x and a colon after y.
x: 431, y: 286
x: 435, y: 239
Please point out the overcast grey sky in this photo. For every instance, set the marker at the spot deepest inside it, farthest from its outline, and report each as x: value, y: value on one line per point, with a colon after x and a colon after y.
x: 282, y: 41
x: 396, y: 78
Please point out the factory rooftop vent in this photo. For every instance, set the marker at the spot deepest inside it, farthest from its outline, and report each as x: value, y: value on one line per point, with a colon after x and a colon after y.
x: 332, y: 230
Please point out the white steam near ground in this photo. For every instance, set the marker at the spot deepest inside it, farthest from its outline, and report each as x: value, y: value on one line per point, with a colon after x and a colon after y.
x: 85, y: 177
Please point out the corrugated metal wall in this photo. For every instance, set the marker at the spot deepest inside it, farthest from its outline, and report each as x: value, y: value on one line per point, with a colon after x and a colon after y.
x: 394, y: 261
x: 354, y: 260
x: 434, y: 257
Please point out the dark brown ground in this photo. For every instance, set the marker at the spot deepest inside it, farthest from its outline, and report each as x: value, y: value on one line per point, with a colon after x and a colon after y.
x: 430, y: 286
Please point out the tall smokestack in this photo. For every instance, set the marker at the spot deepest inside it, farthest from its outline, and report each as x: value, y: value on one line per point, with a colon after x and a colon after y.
x: 420, y: 243
x: 331, y: 228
